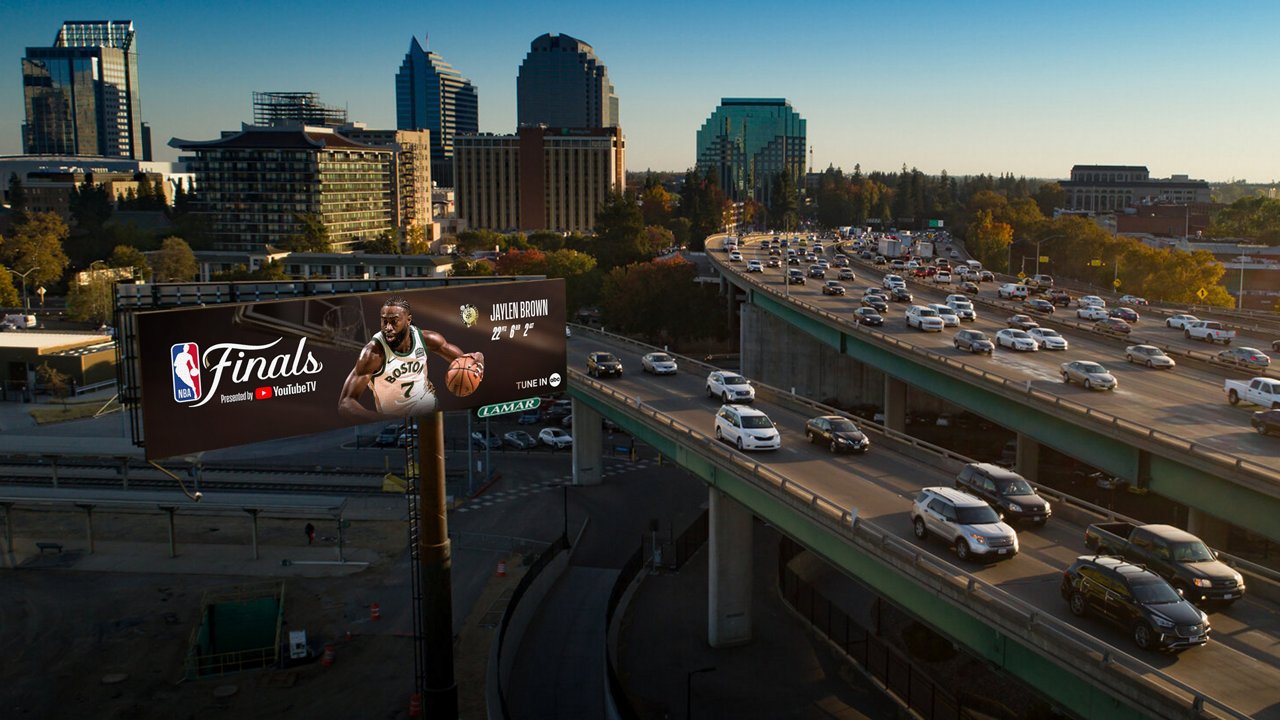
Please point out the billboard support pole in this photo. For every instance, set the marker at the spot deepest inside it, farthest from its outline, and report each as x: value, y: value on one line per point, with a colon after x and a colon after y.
x: 441, y: 699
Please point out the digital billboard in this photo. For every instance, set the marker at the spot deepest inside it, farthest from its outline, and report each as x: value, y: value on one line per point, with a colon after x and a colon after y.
x: 224, y: 375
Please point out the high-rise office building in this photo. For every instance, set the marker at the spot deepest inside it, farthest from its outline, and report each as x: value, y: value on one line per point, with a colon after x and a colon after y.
x: 410, y: 170
x: 81, y: 94
x: 295, y: 108
x: 563, y: 84
x: 747, y: 142
x: 431, y: 95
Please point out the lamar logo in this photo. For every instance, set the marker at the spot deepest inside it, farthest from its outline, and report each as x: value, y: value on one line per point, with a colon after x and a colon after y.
x: 262, y: 393
x: 184, y: 358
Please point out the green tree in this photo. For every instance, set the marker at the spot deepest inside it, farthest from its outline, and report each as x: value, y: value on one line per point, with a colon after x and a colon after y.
x: 8, y: 290
x: 546, y: 240
x: 989, y: 241
x: 17, y: 197
x: 55, y: 381
x: 1256, y: 218
x: 90, y: 205
x: 92, y: 300
x: 174, y: 261
x: 637, y: 299
x: 312, y: 235
x: 269, y: 271
x: 656, y: 203
x: 467, y: 267
x: 784, y: 203
x: 384, y: 244
x: 620, y: 237
x: 130, y: 257
x: 702, y: 203
x: 37, y: 243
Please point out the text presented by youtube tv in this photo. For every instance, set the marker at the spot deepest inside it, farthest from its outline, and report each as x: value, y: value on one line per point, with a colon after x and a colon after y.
x: 214, y: 377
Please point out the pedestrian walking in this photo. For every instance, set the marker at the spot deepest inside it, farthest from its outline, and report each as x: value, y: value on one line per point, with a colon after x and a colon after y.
x: 311, y: 533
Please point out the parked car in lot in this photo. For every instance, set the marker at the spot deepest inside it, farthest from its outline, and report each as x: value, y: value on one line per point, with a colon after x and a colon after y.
x: 529, y: 417
x: 746, y: 428
x: 1005, y: 491
x: 1016, y: 339
x: 1089, y: 374
x: 1022, y: 322
x: 1149, y: 355
x: 600, y: 364
x: 1092, y: 312
x: 386, y: 437
x: 1048, y: 339
x: 1135, y: 599
x: 519, y: 439
x: 868, y: 316
x: 1180, y: 321
x: 965, y: 522
x: 1266, y: 422
x: 555, y: 437
x: 659, y: 363
x: 1245, y: 357
x: 839, y: 433
x: 481, y: 440
x: 730, y: 387
x: 974, y: 341
x: 1113, y: 325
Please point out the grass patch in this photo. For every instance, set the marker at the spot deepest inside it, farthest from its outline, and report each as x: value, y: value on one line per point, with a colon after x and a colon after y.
x: 58, y: 412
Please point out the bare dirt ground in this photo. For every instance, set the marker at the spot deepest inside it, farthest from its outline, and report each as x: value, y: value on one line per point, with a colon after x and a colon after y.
x: 64, y: 631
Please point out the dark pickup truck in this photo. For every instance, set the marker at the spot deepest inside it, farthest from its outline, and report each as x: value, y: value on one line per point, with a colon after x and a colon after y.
x: 1174, y: 554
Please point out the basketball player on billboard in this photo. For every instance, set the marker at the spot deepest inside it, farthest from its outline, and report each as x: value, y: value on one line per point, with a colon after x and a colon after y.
x: 393, y: 365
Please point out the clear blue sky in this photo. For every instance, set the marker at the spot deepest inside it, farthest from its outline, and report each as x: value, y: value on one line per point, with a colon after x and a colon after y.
x: 1181, y: 87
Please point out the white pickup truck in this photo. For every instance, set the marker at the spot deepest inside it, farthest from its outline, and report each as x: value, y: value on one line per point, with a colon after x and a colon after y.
x: 1259, y: 391
x: 1210, y: 331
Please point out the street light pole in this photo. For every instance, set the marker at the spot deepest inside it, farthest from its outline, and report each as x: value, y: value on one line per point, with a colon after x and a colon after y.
x: 25, y: 305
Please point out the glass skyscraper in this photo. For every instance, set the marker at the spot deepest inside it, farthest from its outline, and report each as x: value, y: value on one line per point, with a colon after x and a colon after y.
x: 747, y: 141
x: 563, y: 84
x: 81, y: 94
x: 431, y: 95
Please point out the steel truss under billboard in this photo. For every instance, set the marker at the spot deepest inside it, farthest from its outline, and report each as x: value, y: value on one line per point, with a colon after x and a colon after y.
x: 217, y: 376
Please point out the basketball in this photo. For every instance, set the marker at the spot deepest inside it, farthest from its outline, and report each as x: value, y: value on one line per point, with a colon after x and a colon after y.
x: 464, y: 376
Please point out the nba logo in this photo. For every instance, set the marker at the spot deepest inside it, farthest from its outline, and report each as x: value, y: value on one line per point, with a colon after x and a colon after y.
x: 185, y: 359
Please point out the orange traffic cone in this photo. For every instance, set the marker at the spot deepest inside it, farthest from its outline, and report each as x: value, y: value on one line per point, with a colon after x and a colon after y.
x: 502, y: 568
x: 327, y: 660
x: 375, y: 613
x: 415, y: 705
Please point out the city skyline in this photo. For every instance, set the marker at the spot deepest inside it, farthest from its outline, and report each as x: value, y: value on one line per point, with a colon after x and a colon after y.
x: 1178, y: 87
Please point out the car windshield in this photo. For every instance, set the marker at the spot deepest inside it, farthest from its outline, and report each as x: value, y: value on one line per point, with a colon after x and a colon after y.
x: 927, y: 312
x: 1017, y: 334
x: 1018, y: 486
x: 977, y: 515
x: 1046, y: 332
x: 734, y: 380
x: 1191, y: 552
x: 1091, y: 368
x: 605, y: 357
x: 843, y: 425
x: 1155, y: 593
x: 659, y: 357
x: 756, y: 421
x: 1146, y: 350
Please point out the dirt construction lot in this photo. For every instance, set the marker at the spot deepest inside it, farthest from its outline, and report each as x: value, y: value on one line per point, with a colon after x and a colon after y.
x: 78, y: 639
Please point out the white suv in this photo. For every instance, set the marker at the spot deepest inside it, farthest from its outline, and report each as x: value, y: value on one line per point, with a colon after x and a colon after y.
x: 1011, y: 291
x: 747, y: 428
x: 966, y: 522
x: 729, y: 387
x: 924, y: 318
x: 962, y: 308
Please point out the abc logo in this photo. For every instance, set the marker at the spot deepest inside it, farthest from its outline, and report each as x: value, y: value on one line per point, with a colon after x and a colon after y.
x: 554, y: 379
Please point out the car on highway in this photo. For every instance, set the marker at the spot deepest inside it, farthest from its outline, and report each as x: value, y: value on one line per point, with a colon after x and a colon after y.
x: 924, y: 318
x: 1007, y: 492
x: 1180, y: 321
x: 876, y: 302
x: 965, y: 522
x: 793, y: 260
x: 841, y: 261
x: 1058, y: 296
x: 942, y: 277
x: 962, y: 308
x: 795, y: 277
x: 832, y: 287
x: 899, y: 293
x: 519, y: 439
x: 754, y: 266
x: 1275, y: 345
x: 1135, y: 599
x: 1245, y: 357
x: 891, y: 281
x: 1126, y: 314
x: 735, y: 256
x: 949, y: 316
x: 1011, y: 291
x: 1022, y: 322
x: 845, y: 274
x: 601, y: 364
x: 1133, y: 300
x: 1149, y: 355
x: 659, y: 363
x: 1090, y: 301
x: 746, y: 428
x: 1016, y: 339
x: 1266, y: 422
x: 880, y: 260
x: 555, y: 437
x: 1089, y: 374
x: 838, y: 432
x: 1092, y: 312
x: 817, y: 271
x: 974, y: 341
x: 1048, y: 338
x: 986, y: 276
x: 730, y: 387
x: 1039, y: 305
x: 898, y: 264
x: 969, y: 287
x: 868, y: 316
x: 1113, y: 325
x: 773, y: 262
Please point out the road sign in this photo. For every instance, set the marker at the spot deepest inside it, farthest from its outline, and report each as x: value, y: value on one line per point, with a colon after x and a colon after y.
x: 1044, y: 258
x: 1115, y: 283
x: 1095, y: 263
x: 1022, y: 275
x: 1202, y: 293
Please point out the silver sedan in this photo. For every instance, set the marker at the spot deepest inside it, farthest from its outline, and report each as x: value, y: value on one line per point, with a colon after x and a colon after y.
x: 1149, y: 355
x: 1089, y: 374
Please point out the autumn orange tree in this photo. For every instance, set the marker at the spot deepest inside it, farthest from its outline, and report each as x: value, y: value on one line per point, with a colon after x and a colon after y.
x: 659, y: 302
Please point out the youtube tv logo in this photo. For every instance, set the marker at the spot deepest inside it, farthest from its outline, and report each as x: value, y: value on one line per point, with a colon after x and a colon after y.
x: 262, y: 393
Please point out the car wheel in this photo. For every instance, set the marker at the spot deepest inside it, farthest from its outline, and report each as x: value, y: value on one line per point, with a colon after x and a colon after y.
x: 719, y: 435
x: 709, y: 393
x: 1150, y: 364
x: 1087, y: 385
x: 957, y: 345
x: 1078, y: 605
x: 1225, y: 342
x: 962, y: 549
x: 1233, y: 397
x: 739, y: 442
x: 1143, y: 637
x: 725, y: 398
x: 833, y: 447
x: 1186, y: 333
x: 1066, y: 378
x: 808, y: 434
x: 1262, y: 429
x: 921, y: 531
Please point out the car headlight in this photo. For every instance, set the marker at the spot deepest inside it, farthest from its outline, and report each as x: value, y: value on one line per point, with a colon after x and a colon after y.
x: 981, y: 540
x: 1047, y: 508
x: 1015, y: 507
x: 1202, y: 582
x: 1239, y: 579
x: 1162, y: 621
x: 843, y: 441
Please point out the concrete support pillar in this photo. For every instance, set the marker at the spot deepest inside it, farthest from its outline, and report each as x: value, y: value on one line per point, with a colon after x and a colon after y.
x: 1027, y: 463
x: 53, y: 468
x: 895, y: 404
x: 124, y: 469
x: 173, y: 535
x: 587, y: 456
x: 253, y: 527
x: 88, y: 524
x: 8, y: 527
x: 729, y: 559
x: 1213, y: 531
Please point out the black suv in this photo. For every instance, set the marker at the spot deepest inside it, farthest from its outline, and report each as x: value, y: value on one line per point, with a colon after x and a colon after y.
x: 1136, y: 599
x: 603, y: 363
x: 1004, y: 490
